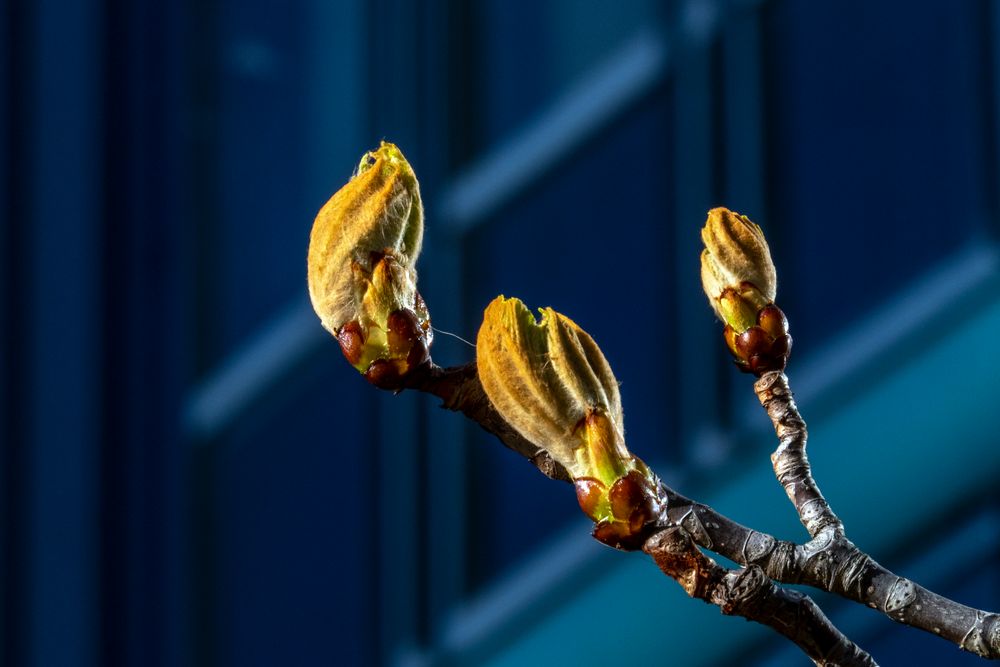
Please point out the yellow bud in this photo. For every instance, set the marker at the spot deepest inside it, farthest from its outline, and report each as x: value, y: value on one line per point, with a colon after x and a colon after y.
x: 550, y: 381
x: 739, y: 280
x: 545, y: 377
x: 736, y: 257
x: 362, y: 276
x: 377, y: 214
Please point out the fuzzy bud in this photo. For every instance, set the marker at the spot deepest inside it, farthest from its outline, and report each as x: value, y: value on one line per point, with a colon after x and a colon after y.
x: 362, y: 277
x: 740, y: 282
x: 735, y: 253
x: 549, y: 380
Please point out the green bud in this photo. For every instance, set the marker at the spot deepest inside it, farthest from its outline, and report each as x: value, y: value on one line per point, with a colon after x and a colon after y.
x: 738, y: 307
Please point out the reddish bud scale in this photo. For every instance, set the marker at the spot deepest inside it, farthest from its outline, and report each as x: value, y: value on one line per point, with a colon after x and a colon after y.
x: 619, y: 536
x: 384, y: 374
x: 589, y: 492
x: 764, y: 347
x: 352, y: 341
x: 409, y: 350
x: 632, y: 499
x: 752, y: 342
x: 626, y: 496
x: 408, y: 339
x: 418, y: 355
x: 773, y: 321
x: 403, y: 330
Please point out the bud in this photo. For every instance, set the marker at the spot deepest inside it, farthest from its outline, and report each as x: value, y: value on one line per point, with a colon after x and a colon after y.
x: 740, y: 282
x: 735, y: 253
x: 549, y: 380
x: 362, y: 277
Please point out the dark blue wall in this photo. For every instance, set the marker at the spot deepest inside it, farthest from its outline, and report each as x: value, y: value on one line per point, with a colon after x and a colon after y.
x: 190, y: 474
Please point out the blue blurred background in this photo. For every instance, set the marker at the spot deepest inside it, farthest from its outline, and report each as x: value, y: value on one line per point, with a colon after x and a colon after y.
x: 192, y: 475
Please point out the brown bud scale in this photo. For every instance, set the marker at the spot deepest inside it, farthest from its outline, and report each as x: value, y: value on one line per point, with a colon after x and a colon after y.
x: 418, y: 356
x: 782, y: 345
x: 764, y: 347
x: 625, y: 496
x: 752, y: 342
x: 633, y: 500
x: 589, y: 492
x: 384, y: 374
x: 639, y: 518
x: 620, y: 535
x: 772, y: 320
x: 403, y: 330
x: 352, y: 341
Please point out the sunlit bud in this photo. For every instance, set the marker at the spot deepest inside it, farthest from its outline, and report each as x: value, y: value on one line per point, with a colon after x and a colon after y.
x: 362, y: 277
x: 735, y: 253
x: 739, y: 280
x: 549, y: 380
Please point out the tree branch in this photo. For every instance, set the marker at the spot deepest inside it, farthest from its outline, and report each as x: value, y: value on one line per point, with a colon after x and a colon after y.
x: 362, y: 283
x: 829, y: 561
x: 749, y: 593
x: 460, y: 390
x: 791, y: 464
x: 832, y: 562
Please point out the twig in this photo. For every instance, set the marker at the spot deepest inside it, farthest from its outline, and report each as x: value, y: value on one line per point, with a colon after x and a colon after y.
x: 839, y: 567
x: 791, y: 464
x: 749, y: 593
x: 829, y: 561
x: 833, y: 563
x: 363, y: 246
x: 460, y: 390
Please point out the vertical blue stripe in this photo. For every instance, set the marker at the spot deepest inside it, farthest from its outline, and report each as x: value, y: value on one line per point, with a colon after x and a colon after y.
x: 62, y: 439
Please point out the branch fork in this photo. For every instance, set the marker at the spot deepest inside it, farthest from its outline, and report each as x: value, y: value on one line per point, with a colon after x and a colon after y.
x: 545, y: 390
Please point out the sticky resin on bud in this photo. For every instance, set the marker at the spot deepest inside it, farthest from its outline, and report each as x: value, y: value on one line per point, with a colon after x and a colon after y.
x: 740, y: 282
x: 549, y: 380
x: 756, y: 333
x: 362, y: 277
x: 616, y: 489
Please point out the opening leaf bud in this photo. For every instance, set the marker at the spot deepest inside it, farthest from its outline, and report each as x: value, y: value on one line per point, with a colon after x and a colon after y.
x: 549, y: 380
x: 361, y: 266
